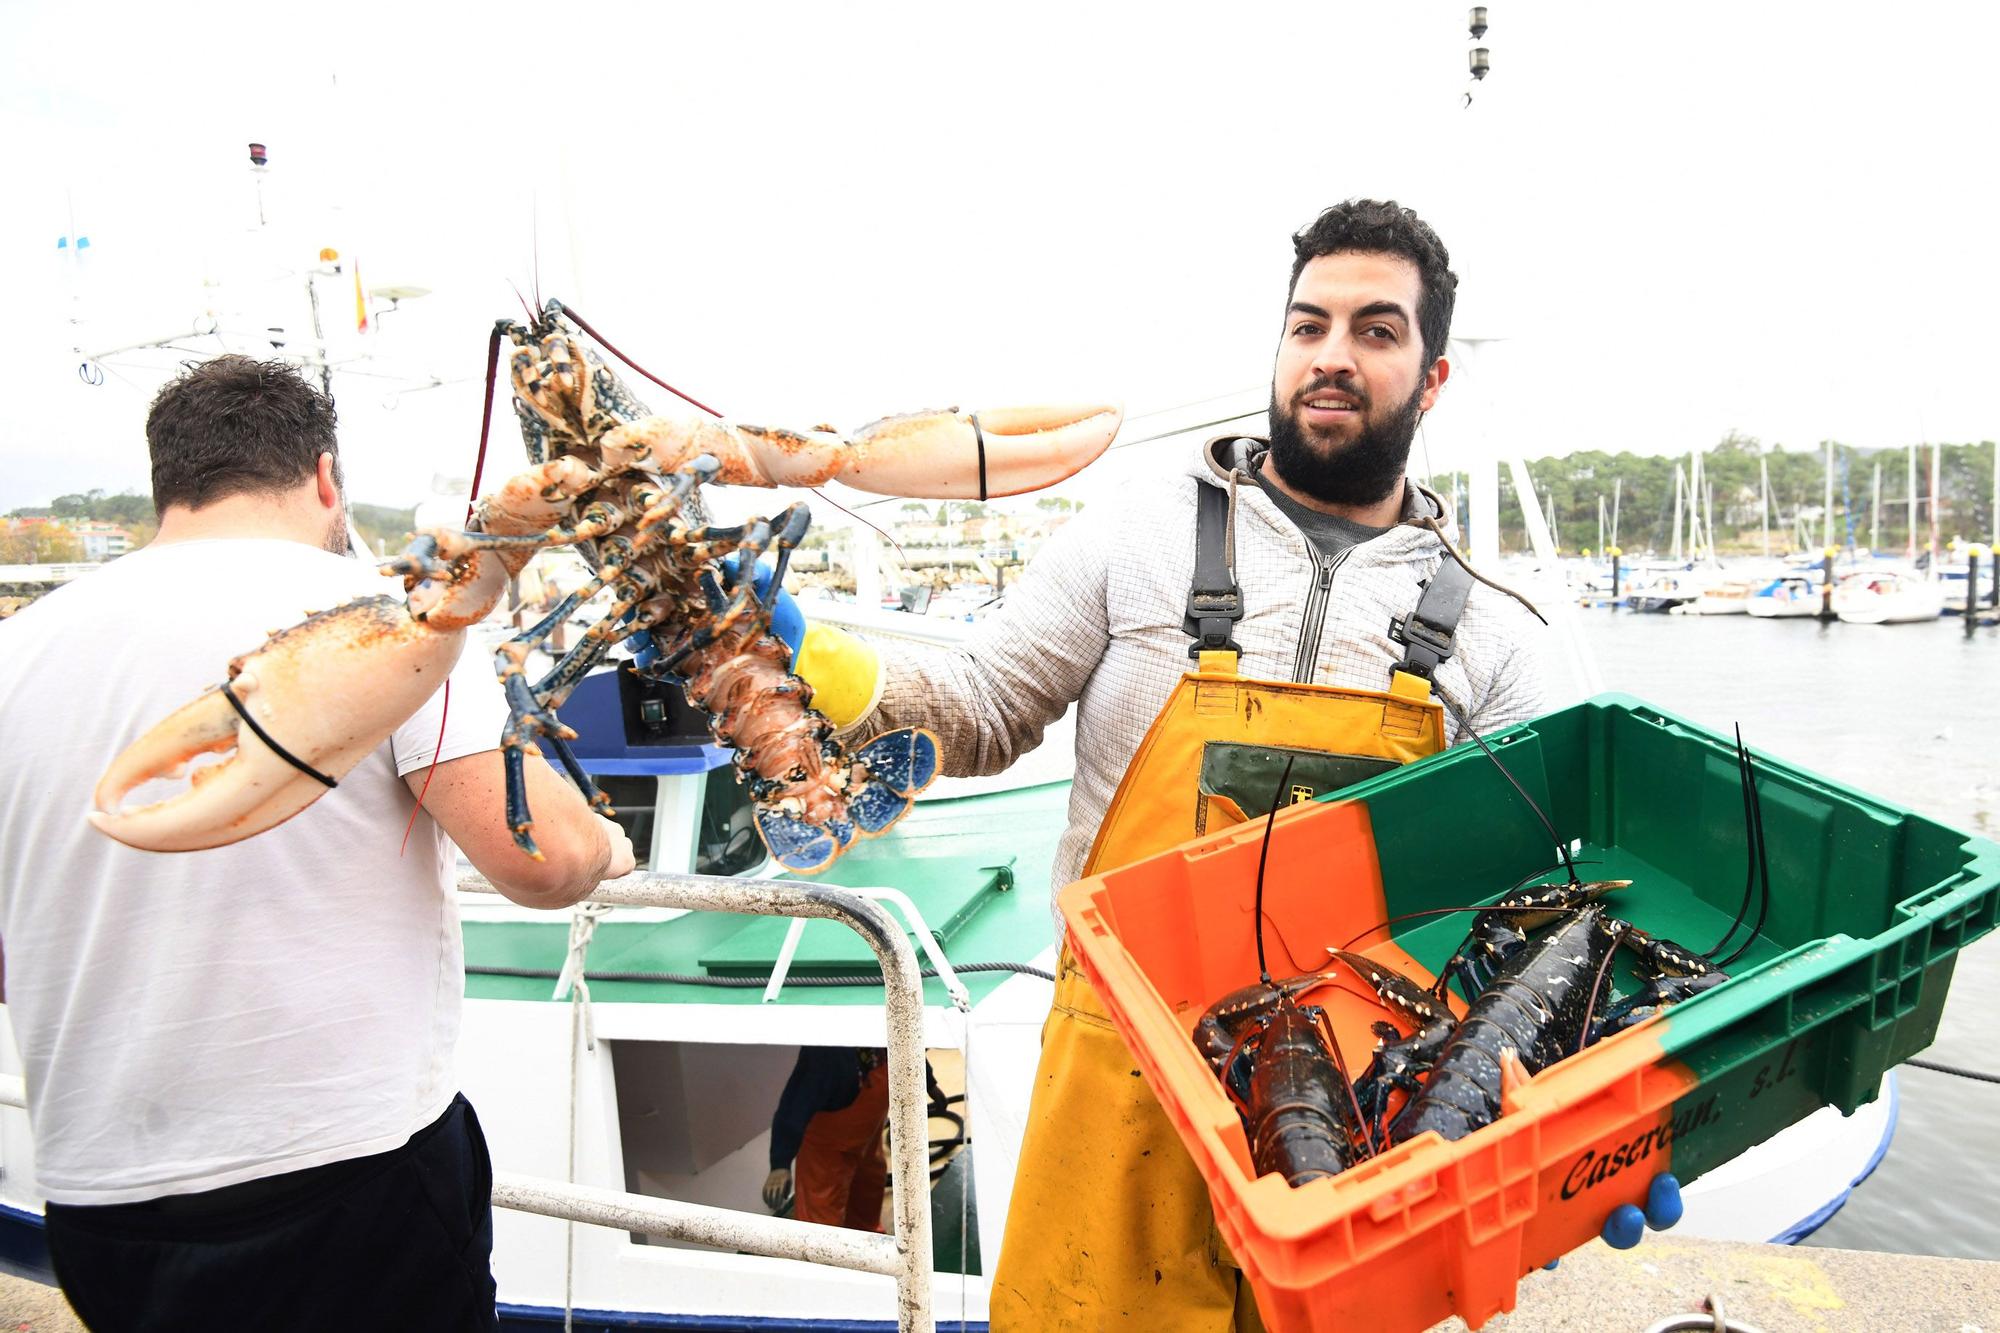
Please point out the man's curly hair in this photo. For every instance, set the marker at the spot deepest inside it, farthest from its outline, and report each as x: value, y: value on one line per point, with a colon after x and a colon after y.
x: 233, y: 426
x: 1371, y: 226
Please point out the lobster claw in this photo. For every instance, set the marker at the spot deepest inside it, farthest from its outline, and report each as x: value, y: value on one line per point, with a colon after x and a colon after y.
x: 945, y: 455
x: 328, y: 690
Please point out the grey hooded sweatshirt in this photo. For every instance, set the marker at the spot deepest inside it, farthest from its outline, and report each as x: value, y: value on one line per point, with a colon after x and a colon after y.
x: 1096, y: 620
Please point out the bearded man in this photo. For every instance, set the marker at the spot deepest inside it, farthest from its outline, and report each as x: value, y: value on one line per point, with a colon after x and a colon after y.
x: 1306, y: 571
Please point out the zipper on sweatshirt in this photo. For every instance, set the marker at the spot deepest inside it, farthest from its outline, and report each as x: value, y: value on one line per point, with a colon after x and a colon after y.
x: 1313, y: 622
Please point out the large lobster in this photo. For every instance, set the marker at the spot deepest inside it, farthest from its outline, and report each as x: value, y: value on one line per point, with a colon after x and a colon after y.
x: 621, y: 486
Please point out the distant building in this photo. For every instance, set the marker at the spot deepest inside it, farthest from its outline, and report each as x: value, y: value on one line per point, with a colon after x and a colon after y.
x: 101, y: 541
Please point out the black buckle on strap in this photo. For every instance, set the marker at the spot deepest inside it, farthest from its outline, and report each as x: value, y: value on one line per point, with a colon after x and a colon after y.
x: 1211, y: 615
x: 1428, y: 645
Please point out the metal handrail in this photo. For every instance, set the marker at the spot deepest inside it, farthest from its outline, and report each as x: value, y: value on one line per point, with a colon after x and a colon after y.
x: 907, y: 1254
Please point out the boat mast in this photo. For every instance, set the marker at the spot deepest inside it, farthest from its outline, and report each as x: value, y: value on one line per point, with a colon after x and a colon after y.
x: 1828, y: 542
x: 1694, y: 505
x: 1764, y: 499
x: 1601, y: 548
x: 1618, y: 490
x: 1912, y: 553
x: 1875, y: 513
x: 1708, y: 501
x: 1680, y: 484
x: 1936, y: 449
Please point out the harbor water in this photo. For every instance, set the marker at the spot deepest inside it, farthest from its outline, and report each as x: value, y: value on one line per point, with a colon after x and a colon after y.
x: 1910, y: 714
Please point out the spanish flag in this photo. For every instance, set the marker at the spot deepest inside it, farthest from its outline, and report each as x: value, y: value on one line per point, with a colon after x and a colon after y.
x: 360, y: 301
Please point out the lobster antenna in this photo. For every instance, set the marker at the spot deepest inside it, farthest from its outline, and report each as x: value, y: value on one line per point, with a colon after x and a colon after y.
x: 1750, y: 849
x: 1465, y: 725
x: 1441, y: 911
x: 886, y: 536
x: 606, y: 343
x: 1263, y: 853
x: 485, y: 418
x: 1597, y: 984
x: 1763, y: 861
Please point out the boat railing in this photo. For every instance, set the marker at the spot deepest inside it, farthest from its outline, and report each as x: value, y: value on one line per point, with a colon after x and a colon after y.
x: 906, y: 1255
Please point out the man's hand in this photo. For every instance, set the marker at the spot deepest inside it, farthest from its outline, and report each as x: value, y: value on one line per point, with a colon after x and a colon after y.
x: 619, y: 859
x: 468, y: 798
x: 778, y: 1189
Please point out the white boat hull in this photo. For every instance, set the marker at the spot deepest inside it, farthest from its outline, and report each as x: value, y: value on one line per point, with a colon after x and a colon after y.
x: 1908, y: 602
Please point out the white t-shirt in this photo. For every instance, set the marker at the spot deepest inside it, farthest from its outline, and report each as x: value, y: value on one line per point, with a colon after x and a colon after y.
x: 194, y: 1019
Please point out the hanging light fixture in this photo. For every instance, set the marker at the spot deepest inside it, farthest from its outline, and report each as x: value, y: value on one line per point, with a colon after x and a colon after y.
x: 1476, y: 21
x: 1479, y: 61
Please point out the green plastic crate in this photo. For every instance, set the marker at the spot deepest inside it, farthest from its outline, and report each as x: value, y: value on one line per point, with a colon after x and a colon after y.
x: 1870, y: 903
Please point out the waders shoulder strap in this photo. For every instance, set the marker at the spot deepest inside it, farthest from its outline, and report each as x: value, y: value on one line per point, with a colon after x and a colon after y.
x: 1215, y: 602
x: 1426, y: 633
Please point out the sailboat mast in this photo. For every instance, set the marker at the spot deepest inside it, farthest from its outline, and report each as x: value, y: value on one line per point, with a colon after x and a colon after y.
x: 1680, y: 484
x: 1694, y: 505
x: 1618, y: 491
x: 1912, y: 553
x: 1875, y: 512
x: 1936, y: 449
x: 1828, y: 542
x: 1764, y: 501
x: 1708, y: 501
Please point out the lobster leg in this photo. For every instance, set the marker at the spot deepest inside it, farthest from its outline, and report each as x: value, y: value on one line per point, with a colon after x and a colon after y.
x: 1670, y: 973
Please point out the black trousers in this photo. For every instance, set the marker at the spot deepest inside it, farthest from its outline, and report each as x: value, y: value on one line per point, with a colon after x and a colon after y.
x: 400, y: 1240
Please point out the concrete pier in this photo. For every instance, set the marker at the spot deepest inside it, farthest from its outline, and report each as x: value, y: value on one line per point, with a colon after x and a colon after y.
x: 1775, y: 1288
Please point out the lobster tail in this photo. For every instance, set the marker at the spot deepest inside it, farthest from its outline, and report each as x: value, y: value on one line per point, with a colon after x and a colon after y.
x: 799, y: 845
x: 887, y: 773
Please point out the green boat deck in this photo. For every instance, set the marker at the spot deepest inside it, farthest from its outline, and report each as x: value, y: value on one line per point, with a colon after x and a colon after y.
x: 977, y: 868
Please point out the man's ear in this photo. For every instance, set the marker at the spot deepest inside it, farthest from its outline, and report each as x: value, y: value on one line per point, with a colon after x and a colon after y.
x: 329, y: 494
x: 1434, y: 379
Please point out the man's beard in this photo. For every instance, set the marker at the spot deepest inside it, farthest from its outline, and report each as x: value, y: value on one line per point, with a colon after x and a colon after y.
x: 336, y: 534
x: 1363, y: 471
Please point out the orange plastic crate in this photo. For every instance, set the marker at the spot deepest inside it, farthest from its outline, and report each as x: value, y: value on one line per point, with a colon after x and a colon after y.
x: 1427, y: 1230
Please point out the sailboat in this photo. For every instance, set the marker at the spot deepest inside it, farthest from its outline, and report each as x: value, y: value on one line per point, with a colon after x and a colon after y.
x: 1900, y: 596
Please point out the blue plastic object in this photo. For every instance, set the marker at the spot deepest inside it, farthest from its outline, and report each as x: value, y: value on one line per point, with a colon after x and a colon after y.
x: 1663, y: 1202
x: 1625, y: 1227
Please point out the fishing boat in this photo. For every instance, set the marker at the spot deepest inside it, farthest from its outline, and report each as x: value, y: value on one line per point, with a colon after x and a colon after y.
x: 659, y: 1076
x: 1887, y: 597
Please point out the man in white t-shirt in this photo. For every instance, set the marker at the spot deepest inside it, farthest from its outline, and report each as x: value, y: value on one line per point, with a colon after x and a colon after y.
x: 239, y: 1061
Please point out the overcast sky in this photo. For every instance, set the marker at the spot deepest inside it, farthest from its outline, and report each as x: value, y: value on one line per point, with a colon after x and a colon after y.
x: 1770, y: 217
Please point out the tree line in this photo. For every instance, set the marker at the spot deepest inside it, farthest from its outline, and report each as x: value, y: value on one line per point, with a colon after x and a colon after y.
x: 383, y: 525
x: 1644, y: 486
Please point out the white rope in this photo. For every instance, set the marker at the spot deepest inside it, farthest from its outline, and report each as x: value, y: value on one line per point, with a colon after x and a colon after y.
x: 964, y: 1154
x: 582, y: 1037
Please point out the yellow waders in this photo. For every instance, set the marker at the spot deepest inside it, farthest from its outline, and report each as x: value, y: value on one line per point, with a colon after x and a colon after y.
x: 1110, y: 1224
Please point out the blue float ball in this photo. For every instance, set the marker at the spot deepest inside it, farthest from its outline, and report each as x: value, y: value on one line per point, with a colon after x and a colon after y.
x: 1663, y: 1202
x: 1624, y: 1228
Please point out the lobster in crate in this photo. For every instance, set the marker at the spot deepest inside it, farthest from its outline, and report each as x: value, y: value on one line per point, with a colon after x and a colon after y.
x: 622, y: 486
